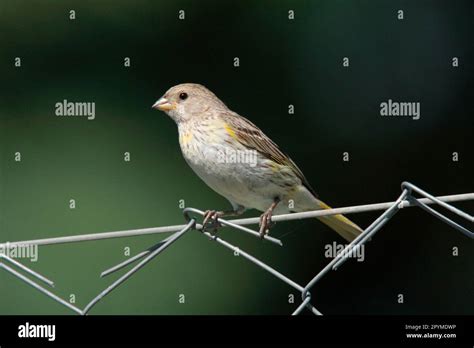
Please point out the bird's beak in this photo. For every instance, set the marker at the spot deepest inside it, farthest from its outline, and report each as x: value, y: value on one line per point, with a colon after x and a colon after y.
x: 163, y: 104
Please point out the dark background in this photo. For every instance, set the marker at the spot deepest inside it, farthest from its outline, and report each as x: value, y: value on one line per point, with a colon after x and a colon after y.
x: 281, y: 62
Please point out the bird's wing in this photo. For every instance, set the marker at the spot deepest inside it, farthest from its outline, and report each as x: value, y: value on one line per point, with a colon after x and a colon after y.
x: 252, y: 137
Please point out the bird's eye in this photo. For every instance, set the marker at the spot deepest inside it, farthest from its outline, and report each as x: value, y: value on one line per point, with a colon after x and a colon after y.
x: 183, y: 96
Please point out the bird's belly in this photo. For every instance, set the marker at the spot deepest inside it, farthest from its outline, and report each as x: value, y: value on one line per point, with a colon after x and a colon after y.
x: 242, y: 176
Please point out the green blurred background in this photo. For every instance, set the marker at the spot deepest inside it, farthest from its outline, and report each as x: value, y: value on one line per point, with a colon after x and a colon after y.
x: 281, y: 62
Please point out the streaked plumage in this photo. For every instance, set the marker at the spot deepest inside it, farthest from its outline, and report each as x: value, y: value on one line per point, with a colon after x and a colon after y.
x: 208, y: 129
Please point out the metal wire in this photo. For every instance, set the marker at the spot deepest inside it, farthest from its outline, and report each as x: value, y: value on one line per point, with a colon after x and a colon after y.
x: 27, y: 270
x: 142, y: 263
x: 39, y: 287
x: 405, y: 200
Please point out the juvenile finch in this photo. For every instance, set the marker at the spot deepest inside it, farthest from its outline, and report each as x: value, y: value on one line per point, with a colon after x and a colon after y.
x: 238, y: 161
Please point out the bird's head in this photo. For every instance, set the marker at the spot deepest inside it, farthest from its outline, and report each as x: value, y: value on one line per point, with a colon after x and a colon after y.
x: 188, y: 101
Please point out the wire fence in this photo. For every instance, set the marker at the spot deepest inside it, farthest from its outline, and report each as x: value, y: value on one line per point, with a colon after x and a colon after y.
x: 411, y: 196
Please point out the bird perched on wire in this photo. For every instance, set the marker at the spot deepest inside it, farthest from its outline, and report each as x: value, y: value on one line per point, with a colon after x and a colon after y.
x: 238, y: 161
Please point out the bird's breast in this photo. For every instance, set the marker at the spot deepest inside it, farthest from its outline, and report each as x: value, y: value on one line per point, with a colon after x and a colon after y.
x: 242, y: 175
x: 205, y: 144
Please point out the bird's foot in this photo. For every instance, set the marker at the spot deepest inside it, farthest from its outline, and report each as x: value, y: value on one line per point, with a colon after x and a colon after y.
x: 211, y: 222
x: 265, y: 222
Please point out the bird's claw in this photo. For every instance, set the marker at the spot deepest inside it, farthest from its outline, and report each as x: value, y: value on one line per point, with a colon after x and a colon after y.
x: 265, y: 223
x: 211, y: 219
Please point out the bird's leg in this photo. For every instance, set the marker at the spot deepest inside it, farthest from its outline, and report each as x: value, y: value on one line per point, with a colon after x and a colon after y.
x: 266, y: 218
x: 211, y: 216
x: 214, y: 215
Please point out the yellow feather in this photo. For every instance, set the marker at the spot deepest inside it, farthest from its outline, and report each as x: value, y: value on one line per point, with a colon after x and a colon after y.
x: 275, y: 167
x: 323, y: 205
x: 186, y: 137
x: 339, y: 223
x: 230, y: 131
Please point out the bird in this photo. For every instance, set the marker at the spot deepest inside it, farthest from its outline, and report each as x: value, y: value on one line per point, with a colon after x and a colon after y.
x: 240, y: 162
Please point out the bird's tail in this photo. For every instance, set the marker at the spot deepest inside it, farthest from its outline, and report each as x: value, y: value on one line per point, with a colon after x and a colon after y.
x: 339, y: 223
